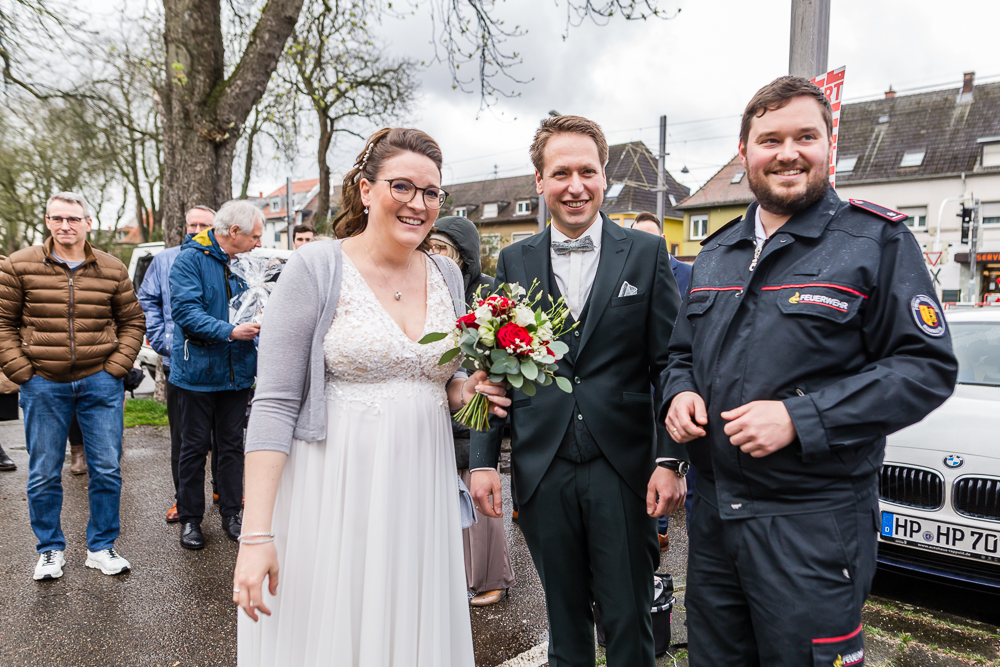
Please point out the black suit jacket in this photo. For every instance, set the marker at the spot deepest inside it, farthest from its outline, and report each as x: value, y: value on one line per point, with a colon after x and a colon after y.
x: 622, y: 350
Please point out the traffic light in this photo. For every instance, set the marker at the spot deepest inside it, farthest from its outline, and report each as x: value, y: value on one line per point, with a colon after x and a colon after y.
x: 966, y: 216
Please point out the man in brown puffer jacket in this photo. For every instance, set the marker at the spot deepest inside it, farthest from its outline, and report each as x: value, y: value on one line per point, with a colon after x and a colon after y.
x: 70, y: 330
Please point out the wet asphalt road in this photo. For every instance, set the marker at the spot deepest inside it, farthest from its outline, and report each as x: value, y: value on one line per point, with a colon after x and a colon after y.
x: 174, y: 608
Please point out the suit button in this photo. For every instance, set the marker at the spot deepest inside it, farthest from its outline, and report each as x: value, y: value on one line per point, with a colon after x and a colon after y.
x: 576, y: 380
x: 579, y: 417
x: 576, y: 334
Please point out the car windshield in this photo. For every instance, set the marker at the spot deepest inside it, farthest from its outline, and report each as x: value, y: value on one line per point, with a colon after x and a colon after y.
x: 977, y: 346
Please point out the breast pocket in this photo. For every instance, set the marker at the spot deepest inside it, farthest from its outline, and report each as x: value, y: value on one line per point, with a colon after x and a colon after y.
x: 837, y: 303
x: 619, y: 301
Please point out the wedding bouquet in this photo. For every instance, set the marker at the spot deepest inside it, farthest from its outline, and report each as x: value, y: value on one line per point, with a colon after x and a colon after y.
x: 258, y: 273
x: 513, y: 340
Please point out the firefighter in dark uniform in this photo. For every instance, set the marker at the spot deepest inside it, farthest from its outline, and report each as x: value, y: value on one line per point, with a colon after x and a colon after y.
x: 810, y: 332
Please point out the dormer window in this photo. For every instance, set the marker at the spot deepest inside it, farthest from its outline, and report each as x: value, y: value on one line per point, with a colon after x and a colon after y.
x: 991, y: 152
x: 523, y: 207
x: 614, y: 190
x: 737, y: 177
x: 275, y: 204
x: 460, y: 212
x: 845, y: 164
x: 490, y: 211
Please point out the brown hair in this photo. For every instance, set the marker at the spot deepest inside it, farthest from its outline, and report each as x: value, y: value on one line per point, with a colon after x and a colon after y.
x: 384, y: 144
x: 646, y: 216
x: 567, y: 125
x: 304, y: 229
x: 779, y: 93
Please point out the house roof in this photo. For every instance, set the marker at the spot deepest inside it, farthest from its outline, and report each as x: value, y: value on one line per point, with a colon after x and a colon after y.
x: 504, y: 191
x: 720, y: 189
x: 634, y: 165
x: 304, y: 194
x: 879, y: 132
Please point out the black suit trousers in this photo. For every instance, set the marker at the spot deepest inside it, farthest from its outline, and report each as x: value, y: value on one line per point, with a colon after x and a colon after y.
x: 591, y: 539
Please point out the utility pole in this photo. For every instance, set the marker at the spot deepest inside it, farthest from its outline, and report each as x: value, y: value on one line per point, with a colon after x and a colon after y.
x: 289, y: 212
x: 661, y: 183
x: 809, y: 42
x: 973, y: 242
x: 543, y: 214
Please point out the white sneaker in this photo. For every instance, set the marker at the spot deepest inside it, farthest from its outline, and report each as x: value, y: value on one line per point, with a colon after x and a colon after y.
x: 107, y: 561
x: 50, y: 564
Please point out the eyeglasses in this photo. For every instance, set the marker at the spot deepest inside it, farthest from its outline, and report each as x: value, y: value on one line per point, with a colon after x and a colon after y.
x: 58, y: 219
x: 441, y: 248
x: 403, y: 191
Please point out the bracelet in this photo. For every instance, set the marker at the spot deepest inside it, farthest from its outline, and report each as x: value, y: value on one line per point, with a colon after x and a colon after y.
x: 262, y: 541
x: 246, y: 535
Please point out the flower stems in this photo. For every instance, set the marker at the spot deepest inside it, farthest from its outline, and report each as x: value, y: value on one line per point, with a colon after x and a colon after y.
x: 475, y: 414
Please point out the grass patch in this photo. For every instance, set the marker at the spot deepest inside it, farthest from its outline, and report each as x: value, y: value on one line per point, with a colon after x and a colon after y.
x: 140, y: 411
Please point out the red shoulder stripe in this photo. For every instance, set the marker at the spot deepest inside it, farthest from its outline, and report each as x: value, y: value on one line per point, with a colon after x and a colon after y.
x: 880, y: 211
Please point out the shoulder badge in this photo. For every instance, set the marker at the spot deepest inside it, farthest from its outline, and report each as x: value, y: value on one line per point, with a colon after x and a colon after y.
x: 880, y: 211
x: 927, y: 315
x: 724, y: 227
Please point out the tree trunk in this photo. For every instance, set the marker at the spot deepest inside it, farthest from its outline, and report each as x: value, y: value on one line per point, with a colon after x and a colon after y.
x: 248, y: 162
x: 203, y: 111
x: 323, y: 200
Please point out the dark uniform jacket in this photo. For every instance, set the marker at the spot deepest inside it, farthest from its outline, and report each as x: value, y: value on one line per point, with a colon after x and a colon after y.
x: 839, y: 320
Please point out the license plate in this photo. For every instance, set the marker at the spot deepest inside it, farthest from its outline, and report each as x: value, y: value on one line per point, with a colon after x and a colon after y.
x: 943, y: 537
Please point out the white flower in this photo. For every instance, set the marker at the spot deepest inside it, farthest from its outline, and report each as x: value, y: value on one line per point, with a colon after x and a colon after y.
x: 483, y: 314
x: 523, y: 316
x: 486, y: 334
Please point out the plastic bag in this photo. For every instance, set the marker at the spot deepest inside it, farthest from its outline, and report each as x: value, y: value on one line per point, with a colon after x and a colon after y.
x: 258, y: 273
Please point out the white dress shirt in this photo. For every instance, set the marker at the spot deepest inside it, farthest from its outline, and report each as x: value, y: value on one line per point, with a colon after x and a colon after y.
x: 575, y: 271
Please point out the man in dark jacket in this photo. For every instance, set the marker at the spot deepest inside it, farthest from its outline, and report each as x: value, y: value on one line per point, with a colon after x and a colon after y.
x: 154, y: 297
x: 213, y: 364
x: 810, y: 331
x: 70, y: 330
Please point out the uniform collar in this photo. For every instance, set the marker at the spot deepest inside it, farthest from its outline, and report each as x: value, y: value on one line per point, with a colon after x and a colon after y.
x: 807, y: 223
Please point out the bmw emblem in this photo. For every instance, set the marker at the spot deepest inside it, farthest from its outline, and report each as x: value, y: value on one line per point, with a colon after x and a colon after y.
x: 954, y: 461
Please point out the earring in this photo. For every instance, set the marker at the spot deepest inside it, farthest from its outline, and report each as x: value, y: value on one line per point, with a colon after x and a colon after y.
x: 366, y: 210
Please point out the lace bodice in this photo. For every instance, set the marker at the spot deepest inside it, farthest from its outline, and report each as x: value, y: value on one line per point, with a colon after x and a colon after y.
x: 368, y: 357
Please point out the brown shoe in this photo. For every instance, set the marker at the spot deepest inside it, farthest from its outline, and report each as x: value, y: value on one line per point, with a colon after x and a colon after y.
x: 78, y: 463
x: 487, y: 598
x: 664, y: 543
x: 172, y: 515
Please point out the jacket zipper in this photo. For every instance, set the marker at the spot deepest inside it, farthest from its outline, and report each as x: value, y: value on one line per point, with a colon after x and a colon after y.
x: 229, y: 297
x: 72, y: 336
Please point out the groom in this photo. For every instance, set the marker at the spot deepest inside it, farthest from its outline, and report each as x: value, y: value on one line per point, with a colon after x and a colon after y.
x: 585, y: 463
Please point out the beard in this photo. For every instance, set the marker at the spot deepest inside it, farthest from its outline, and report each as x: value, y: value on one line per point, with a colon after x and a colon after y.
x: 782, y: 201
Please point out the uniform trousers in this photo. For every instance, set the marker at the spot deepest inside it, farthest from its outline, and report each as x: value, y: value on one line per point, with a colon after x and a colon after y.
x: 781, y: 591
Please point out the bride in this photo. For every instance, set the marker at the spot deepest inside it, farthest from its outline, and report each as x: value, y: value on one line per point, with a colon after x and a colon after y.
x: 350, y: 467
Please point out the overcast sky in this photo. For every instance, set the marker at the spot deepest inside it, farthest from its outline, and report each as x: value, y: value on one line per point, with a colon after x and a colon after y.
x: 699, y: 68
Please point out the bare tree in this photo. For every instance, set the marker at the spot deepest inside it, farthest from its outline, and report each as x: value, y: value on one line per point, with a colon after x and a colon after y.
x: 345, y: 77
x: 275, y: 118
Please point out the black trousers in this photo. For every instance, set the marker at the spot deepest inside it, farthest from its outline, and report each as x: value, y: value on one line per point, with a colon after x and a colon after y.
x: 225, y: 412
x: 174, y: 417
x: 781, y: 591
x: 591, y: 540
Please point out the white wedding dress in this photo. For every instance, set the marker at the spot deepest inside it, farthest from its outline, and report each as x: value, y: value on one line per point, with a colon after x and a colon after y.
x: 366, y: 524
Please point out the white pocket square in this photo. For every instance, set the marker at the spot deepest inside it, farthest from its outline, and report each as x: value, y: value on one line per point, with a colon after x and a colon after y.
x: 627, y: 290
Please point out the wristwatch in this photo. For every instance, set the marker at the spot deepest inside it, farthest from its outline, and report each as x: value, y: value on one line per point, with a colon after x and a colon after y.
x: 680, y: 468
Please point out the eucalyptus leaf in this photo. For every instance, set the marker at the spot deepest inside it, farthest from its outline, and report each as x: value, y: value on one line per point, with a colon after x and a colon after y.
x: 544, y: 380
x: 470, y: 364
x: 528, y: 369
x: 470, y: 350
x: 498, y: 353
x: 497, y: 378
x: 511, y: 364
x: 528, y: 388
x: 515, y: 379
x: 499, y: 367
x: 564, y: 384
x: 448, y: 356
x: 559, y: 347
x: 432, y: 338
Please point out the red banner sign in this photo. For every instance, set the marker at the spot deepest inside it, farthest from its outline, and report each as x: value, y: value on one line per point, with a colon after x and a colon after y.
x: 832, y: 84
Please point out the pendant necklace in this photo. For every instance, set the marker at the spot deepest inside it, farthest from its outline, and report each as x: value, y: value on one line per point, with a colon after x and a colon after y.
x: 398, y: 294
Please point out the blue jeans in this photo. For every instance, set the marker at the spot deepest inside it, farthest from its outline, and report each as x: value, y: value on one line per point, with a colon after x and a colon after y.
x: 49, y: 408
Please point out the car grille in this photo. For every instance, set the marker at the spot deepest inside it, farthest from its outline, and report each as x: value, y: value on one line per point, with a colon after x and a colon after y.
x: 977, y: 497
x: 913, y: 487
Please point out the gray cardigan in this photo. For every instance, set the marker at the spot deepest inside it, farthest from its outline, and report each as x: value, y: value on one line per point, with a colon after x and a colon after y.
x: 289, y: 401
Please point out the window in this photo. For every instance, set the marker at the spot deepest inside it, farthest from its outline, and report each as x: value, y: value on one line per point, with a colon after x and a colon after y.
x: 673, y: 200
x: 460, y: 212
x: 699, y: 227
x: 738, y: 176
x: 674, y: 249
x: 275, y: 204
x: 912, y: 158
x: 277, y: 233
x: 490, y: 211
x: 845, y: 164
x: 523, y: 207
x: 991, y: 154
x: 614, y: 190
x: 520, y: 236
x: 916, y: 217
x: 990, y: 212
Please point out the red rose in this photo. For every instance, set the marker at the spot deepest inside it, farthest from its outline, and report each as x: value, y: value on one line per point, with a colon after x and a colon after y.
x: 513, y: 338
x: 499, y: 305
x: 468, y: 320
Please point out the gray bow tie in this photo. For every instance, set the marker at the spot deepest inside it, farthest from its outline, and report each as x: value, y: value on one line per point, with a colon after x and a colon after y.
x: 582, y: 244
